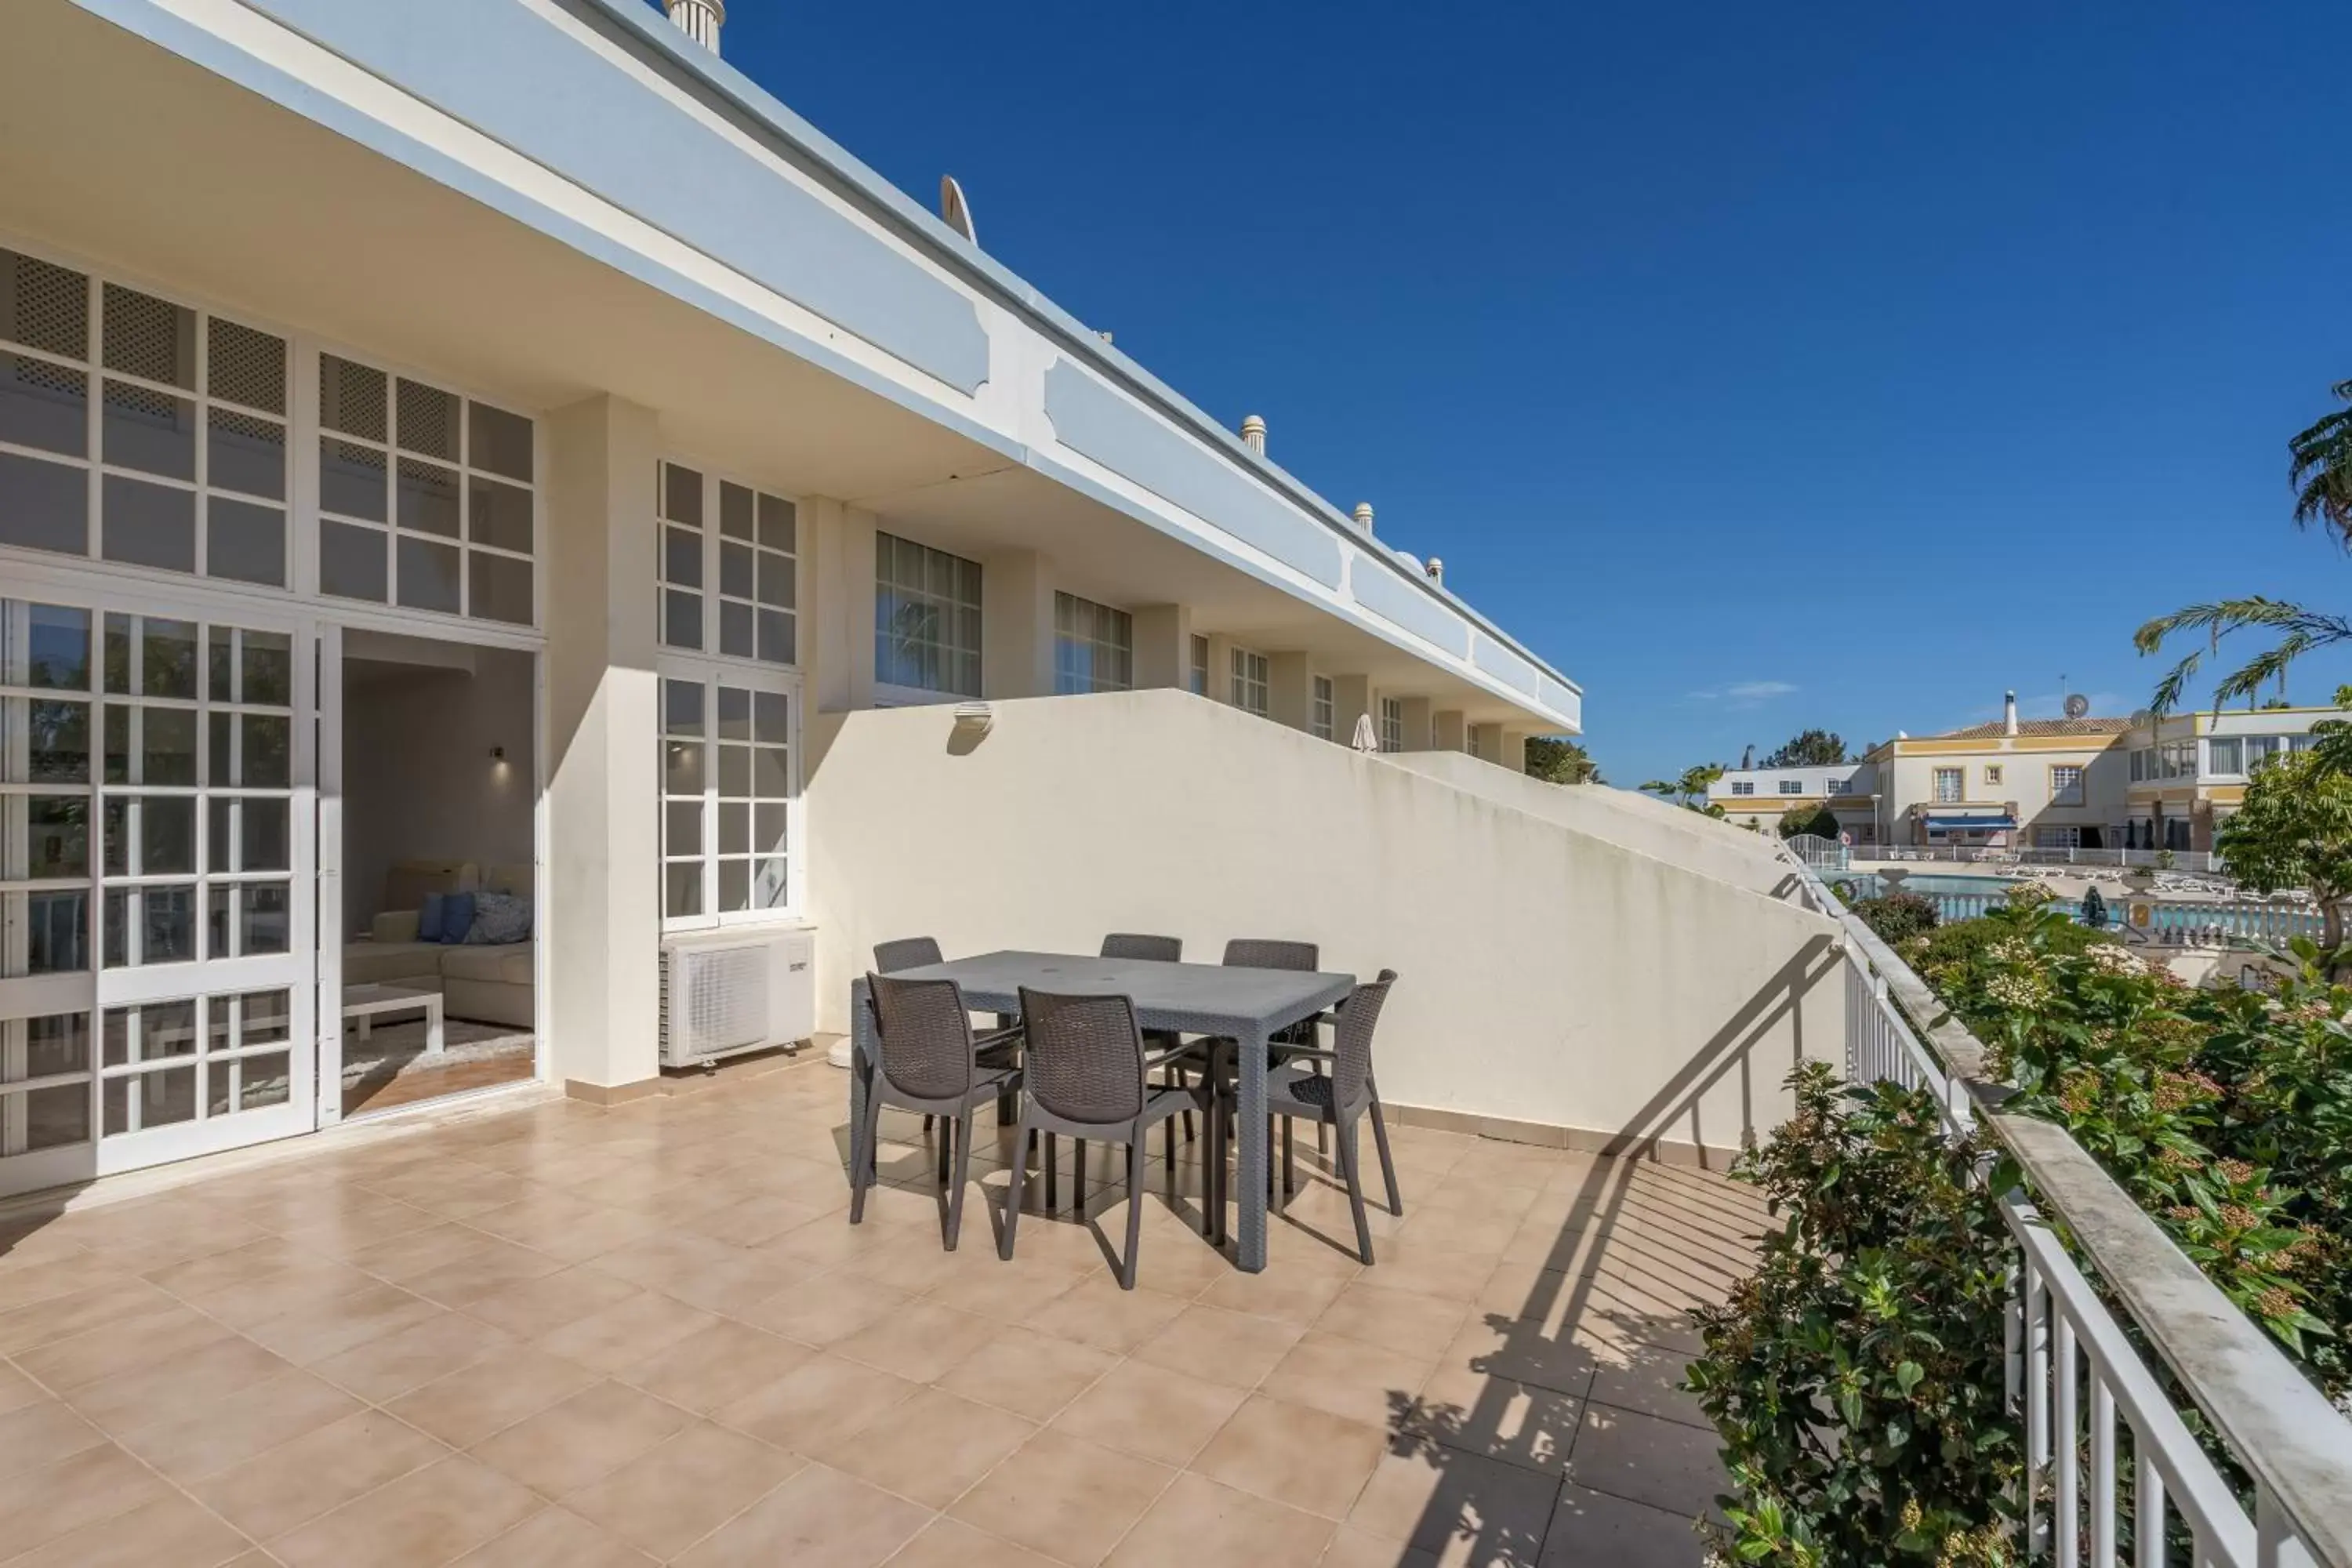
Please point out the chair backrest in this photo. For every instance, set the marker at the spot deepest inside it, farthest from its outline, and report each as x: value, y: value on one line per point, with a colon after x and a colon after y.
x: 1159, y: 949
x: 1352, y: 1043
x: 1264, y: 953
x: 925, y: 1034
x: 1082, y: 1056
x: 906, y: 952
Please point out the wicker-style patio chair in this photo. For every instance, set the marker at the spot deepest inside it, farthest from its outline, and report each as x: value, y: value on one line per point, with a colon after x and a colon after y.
x: 1086, y: 1072
x: 1158, y: 950
x: 999, y: 1046
x: 1338, y: 1101
x: 926, y: 1062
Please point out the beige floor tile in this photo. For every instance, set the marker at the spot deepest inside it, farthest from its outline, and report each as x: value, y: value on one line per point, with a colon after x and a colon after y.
x: 492, y: 1267
x: 1460, y: 1507
x: 825, y: 1398
x: 950, y: 1544
x: 252, y: 1301
x: 931, y: 1448
x: 629, y: 1331
x: 1289, y: 1295
x: 1027, y: 1372
x: 1498, y: 1418
x: 684, y: 1488
x: 144, y: 1395
x: 384, y: 1369
x: 1648, y: 1379
x: 92, y: 1486
x: 722, y: 1363
x: 921, y: 1343
x: 314, y: 1332
x: 16, y: 1390
x: 1150, y: 1412
x: 32, y: 1283
x: 210, y: 1438
x: 555, y: 1538
x: 167, y: 1532
x: 124, y: 1344
x: 818, y: 1518
x: 1522, y: 1351
x: 276, y: 1490
x: 1009, y: 1292
x: 827, y: 1309
x: 126, y: 1302
x: 582, y: 1438
x: 1348, y: 1378
x: 1424, y: 1269
x: 1197, y: 1521
x: 1306, y: 1458
x: 1100, y: 1314
x: 533, y: 1308
x: 1352, y: 1548
x: 466, y: 1406
x: 1227, y: 1347
x: 422, y: 1521
x: 37, y: 1435
x: 1069, y: 1500
x: 1648, y: 1460
x: 1592, y: 1526
x: 1399, y: 1321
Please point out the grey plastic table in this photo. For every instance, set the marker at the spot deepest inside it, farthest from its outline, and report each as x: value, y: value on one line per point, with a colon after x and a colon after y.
x: 1247, y: 1005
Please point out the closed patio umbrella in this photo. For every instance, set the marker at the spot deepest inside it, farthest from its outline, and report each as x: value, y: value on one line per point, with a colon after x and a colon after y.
x: 2094, y: 910
x: 1364, y: 739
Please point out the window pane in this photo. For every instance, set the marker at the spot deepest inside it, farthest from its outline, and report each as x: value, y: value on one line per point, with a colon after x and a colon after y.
x: 149, y: 525
x: 56, y: 932
x: 153, y: 432
x: 264, y: 1079
x: 58, y: 742
x: 734, y: 713
x: 168, y: 659
x: 498, y: 515
x: 771, y: 718
x: 244, y: 542
x: 44, y: 306
x: 44, y: 405
x: 425, y: 498
x: 777, y: 524
x: 682, y: 888
x: 776, y: 580
x: 771, y: 774
x: 167, y: 836
x: 351, y: 480
x: 682, y: 767
x: 682, y: 827
x: 682, y: 618
x: 57, y: 1117
x: 682, y: 557
x: 266, y: 844
x: 57, y: 647
x: 243, y: 453
x: 770, y: 889
x: 44, y: 506
x: 57, y: 835
x: 735, y: 635
x: 735, y: 571
x: 269, y: 760
x: 770, y: 830
x: 427, y: 418
x: 498, y: 441
x: 59, y: 1043
x: 682, y: 495
x: 776, y: 638
x: 245, y: 366
x: 167, y: 1097
x: 428, y: 574
x: 682, y: 703
x: 150, y: 338
x: 352, y: 398
x: 351, y: 562
x: 735, y: 770
x: 167, y: 748
x: 734, y: 886
x: 501, y: 589
x: 734, y: 828
x: 734, y: 510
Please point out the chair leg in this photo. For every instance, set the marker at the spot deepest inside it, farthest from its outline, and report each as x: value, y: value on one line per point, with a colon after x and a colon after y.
x: 1346, y: 1141
x: 862, y: 1174
x: 1322, y: 1127
x: 1078, y: 1175
x: 946, y: 1144
x: 1023, y: 1142
x: 1053, y: 1177
x: 1388, y: 1166
x: 1134, y: 1209
x: 961, y: 1128
x: 927, y: 1126
x: 1290, y: 1157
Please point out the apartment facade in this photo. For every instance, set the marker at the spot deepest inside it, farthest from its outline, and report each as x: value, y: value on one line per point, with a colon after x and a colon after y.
x: 2186, y: 773
x: 2047, y: 783
x: 532, y: 329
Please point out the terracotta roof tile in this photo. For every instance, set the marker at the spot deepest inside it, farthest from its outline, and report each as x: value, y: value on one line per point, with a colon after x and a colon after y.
x: 1995, y: 730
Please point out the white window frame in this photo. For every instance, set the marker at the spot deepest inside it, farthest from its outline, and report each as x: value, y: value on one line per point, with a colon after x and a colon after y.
x: 2072, y: 793
x: 710, y: 593
x: 891, y: 694
x: 1120, y: 649
x: 2235, y: 767
x: 710, y: 673
x: 1198, y: 676
x: 1790, y: 786
x: 1252, y: 680
x: 1392, y: 723
x: 1322, y: 707
x: 1992, y: 775
x: 2261, y: 748
x: 1743, y: 786
x: 1951, y: 792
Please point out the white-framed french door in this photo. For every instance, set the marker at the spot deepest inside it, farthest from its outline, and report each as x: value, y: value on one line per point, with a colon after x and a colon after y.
x: 158, y: 874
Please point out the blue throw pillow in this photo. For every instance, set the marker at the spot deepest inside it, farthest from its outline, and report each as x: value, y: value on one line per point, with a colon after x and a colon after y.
x: 430, y: 920
x: 456, y: 916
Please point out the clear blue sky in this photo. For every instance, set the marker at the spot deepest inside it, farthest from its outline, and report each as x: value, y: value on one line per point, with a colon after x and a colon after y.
x: 1762, y: 366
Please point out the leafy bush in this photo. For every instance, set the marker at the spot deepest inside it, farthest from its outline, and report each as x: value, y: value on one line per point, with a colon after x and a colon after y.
x: 1858, y: 1377
x: 1820, y: 821
x: 1897, y: 916
x: 2227, y: 1114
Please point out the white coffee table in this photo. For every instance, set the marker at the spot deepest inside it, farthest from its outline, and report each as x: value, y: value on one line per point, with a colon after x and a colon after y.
x: 368, y: 1003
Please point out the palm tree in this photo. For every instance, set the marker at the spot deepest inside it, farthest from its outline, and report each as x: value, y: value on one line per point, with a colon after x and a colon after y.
x: 2319, y: 468
x: 1690, y: 789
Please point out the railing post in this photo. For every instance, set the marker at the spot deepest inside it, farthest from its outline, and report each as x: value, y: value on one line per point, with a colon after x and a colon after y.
x: 2276, y: 1544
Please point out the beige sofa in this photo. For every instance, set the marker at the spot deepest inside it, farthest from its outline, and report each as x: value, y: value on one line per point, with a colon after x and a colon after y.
x: 491, y: 984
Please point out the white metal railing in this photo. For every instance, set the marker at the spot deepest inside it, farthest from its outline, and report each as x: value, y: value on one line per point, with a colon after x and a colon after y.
x: 2065, y: 1341
x: 2185, y: 860
x: 2157, y: 922
x: 1821, y: 854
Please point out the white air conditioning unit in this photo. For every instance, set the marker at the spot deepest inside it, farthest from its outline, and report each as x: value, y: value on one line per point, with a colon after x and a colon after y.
x: 726, y: 991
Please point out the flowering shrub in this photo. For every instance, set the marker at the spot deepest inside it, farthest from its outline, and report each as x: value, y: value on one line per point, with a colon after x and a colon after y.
x: 1857, y: 1378
x: 2227, y: 1114
x: 1897, y: 916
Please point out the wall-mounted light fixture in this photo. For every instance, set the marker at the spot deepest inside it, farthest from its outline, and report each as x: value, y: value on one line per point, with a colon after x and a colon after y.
x: 498, y: 753
x: 973, y: 720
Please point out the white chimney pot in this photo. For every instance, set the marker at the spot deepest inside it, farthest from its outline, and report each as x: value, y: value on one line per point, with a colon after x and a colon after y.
x: 1253, y: 433
x: 1436, y: 570
x: 1364, y: 515
x: 699, y: 19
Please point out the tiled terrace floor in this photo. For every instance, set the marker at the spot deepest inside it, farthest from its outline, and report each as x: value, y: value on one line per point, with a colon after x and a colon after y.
x: 581, y: 1337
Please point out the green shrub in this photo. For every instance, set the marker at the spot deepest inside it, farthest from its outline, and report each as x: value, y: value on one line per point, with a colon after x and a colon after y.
x: 1858, y: 1377
x: 1897, y: 916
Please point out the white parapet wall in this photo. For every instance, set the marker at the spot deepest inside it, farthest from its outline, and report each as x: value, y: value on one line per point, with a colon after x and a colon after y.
x: 1559, y: 983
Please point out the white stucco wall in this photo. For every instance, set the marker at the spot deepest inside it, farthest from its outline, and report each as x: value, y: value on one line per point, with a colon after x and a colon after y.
x: 1552, y: 974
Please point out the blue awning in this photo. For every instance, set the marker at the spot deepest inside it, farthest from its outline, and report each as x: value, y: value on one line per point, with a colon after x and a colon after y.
x: 2001, y: 824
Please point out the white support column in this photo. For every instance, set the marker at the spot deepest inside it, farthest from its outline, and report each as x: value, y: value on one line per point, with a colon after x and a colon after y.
x: 1163, y: 648
x: 1511, y: 747
x: 603, y: 920
x: 1448, y: 733
x: 1352, y: 698
x: 1016, y: 624
x: 1417, y: 729
x: 1289, y: 693
x: 837, y: 569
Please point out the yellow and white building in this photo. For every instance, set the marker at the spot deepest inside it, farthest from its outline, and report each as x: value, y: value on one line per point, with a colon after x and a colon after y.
x: 2186, y: 773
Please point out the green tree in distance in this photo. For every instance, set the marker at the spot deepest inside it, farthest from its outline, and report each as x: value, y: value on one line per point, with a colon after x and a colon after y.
x: 1689, y: 791
x: 1807, y: 749
x: 2295, y: 831
x: 2319, y: 468
x: 1556, y: 760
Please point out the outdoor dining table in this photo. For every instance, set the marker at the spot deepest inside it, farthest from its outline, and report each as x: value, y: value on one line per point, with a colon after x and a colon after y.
x: 1245, y: 1006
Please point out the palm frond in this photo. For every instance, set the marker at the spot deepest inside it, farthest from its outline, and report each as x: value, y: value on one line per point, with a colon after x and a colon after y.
x: 2319, y: 470
x: 2302, y: 632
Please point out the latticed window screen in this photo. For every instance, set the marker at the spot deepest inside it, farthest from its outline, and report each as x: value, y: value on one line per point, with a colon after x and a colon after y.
x: 1250, y: 682
x: 425, y: 498
x: 1093, y: 646
x: 139, y: 431
x: 726, y: 566
x: 926, y: 619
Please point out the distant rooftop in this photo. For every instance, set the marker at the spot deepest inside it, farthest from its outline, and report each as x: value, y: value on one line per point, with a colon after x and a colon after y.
x: 1993, y: 730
